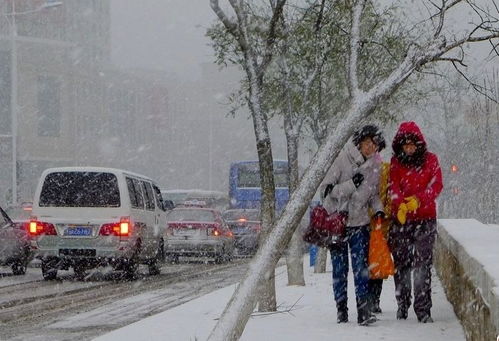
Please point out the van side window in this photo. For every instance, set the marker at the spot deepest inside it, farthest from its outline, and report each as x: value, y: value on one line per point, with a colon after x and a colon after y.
x: 138, y: 194
x: 131, y: 192
x: 159, y: 197
x: 148, y: 196
x: 135, y: 193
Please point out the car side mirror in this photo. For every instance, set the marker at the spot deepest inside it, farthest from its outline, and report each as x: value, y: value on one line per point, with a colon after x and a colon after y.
x: 168, y: 205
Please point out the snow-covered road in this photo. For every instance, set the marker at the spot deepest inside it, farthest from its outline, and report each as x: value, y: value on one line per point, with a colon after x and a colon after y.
x: 68, y: 309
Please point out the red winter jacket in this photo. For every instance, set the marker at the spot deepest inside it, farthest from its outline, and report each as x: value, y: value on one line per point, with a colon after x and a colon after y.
x: 420, y: 176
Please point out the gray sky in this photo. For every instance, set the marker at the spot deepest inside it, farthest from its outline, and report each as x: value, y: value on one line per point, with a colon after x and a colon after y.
x: 169, y: 34
x: 161, y: 34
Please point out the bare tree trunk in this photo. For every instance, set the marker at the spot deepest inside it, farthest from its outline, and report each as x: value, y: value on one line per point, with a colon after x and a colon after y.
x: 255, y: 68
x: 294, y: 256
x: 267, y: 298
x: 321, y: 260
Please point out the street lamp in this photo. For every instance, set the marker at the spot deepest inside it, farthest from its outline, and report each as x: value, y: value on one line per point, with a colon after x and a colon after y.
x: 13, y: 72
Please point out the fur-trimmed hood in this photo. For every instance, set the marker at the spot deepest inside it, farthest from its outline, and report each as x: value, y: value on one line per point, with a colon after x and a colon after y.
x: 409, y: 131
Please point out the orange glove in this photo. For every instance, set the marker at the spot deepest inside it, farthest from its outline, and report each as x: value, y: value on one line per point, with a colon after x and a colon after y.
x: 402, y: 213
x: 412, y: 203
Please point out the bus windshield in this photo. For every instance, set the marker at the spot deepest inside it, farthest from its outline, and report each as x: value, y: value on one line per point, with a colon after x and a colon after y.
x: 249, y: 176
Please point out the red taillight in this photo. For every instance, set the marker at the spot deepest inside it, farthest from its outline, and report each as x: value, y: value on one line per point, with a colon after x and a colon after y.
x: 229, y: 233
x: 216, y: 232
x: 37, y: 228
x: 124, y: 228
x: 120, y: 229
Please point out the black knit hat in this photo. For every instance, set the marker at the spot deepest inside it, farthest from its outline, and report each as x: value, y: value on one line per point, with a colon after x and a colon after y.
x: 372, y: 132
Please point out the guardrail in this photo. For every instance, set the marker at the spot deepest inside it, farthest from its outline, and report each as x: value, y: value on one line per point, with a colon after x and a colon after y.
x: 467, y: 262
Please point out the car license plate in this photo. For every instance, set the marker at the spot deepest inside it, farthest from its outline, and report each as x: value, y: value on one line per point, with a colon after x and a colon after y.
x: 240, y: 230
x: 78, y: 231
x: 185, y: 232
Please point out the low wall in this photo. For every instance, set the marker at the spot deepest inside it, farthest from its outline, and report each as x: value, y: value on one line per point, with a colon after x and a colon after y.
x: 467, y: 262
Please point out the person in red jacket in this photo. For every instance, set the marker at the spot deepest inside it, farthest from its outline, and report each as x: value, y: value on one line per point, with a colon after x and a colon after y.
x: 415, y: 183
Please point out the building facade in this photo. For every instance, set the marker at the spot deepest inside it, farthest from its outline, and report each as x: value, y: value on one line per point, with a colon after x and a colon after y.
x: 73, y: 107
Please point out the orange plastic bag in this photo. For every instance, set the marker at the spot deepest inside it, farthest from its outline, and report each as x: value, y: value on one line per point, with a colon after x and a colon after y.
x: 380, y: 259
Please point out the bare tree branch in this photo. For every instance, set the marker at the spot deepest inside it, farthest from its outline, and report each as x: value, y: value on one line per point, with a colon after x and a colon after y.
x: 443, y: 11
x: 354, y: 47
x: 320, y: 16
x: 478, y: 88
x: 271, y: 36
x: 453, y: 60
x: 494, y: 47
x: 469, y: 39
x: 229, y: 25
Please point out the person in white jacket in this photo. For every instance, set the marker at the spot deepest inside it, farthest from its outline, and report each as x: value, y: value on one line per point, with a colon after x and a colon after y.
x: 352, y: 185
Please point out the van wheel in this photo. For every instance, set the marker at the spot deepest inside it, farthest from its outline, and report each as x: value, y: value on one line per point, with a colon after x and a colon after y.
x: 19, y: 267
x: 172, y: 259
x: 220, y: 257
x: 161, y: 252
x: 130, y: 267
x: 154, y: 268
x: 80, y: 271
x: 49, y: 268
x: 229, y: 256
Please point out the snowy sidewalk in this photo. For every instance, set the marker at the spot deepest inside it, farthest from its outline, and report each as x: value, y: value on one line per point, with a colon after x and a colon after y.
x: 312, y: 317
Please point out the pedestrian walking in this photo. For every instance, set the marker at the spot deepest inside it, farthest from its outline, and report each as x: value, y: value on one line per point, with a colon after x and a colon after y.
x: 415, y: 183
x: 351, y: 185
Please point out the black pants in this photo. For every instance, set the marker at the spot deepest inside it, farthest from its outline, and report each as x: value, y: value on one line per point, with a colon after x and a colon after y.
x: 375, y: 287
x: 412, y: 249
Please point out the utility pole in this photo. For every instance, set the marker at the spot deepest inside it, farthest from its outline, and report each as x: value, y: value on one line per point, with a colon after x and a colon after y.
x: 13, y: 100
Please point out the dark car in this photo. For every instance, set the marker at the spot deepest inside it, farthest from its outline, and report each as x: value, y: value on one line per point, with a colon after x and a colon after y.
x: 246, y: 226
x: 14, y: 244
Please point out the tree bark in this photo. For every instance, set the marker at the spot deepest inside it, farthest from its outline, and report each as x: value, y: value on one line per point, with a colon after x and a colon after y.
x: 320, y: 261
x: 267, y: 297
x: 294, y: 256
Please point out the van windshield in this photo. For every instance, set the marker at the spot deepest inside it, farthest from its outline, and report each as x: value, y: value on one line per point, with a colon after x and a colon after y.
x: 80, y: 189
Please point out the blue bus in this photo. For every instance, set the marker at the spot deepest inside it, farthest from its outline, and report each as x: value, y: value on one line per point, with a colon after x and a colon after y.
x: 244, y: 184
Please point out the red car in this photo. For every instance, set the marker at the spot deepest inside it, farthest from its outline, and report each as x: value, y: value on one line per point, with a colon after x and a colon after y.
x: 198, y: 232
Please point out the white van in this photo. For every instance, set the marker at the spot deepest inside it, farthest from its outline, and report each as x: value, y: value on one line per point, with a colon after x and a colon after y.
x: 84, y: 217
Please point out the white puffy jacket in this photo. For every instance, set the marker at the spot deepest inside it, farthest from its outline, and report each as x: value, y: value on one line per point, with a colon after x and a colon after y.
x: 344, y: 196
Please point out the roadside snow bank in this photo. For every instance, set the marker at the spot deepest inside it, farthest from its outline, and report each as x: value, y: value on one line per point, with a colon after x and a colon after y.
x: 467, y: 262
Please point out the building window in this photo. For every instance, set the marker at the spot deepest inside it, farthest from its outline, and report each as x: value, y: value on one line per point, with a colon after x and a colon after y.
x: 49, y: 106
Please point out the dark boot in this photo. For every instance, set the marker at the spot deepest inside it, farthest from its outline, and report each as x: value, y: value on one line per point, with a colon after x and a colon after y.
x: 376, y: 308
x: 342, y: 316
x: 402, y: 313
x: 375, y: 287
x: 364, y: 316
x: 425, y: 319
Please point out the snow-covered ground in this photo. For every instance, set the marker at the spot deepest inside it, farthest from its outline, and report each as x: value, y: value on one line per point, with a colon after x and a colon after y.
x: 305, y: 313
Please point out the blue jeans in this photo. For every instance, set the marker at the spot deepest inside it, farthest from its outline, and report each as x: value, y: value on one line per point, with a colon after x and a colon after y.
x: 357, y: 237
